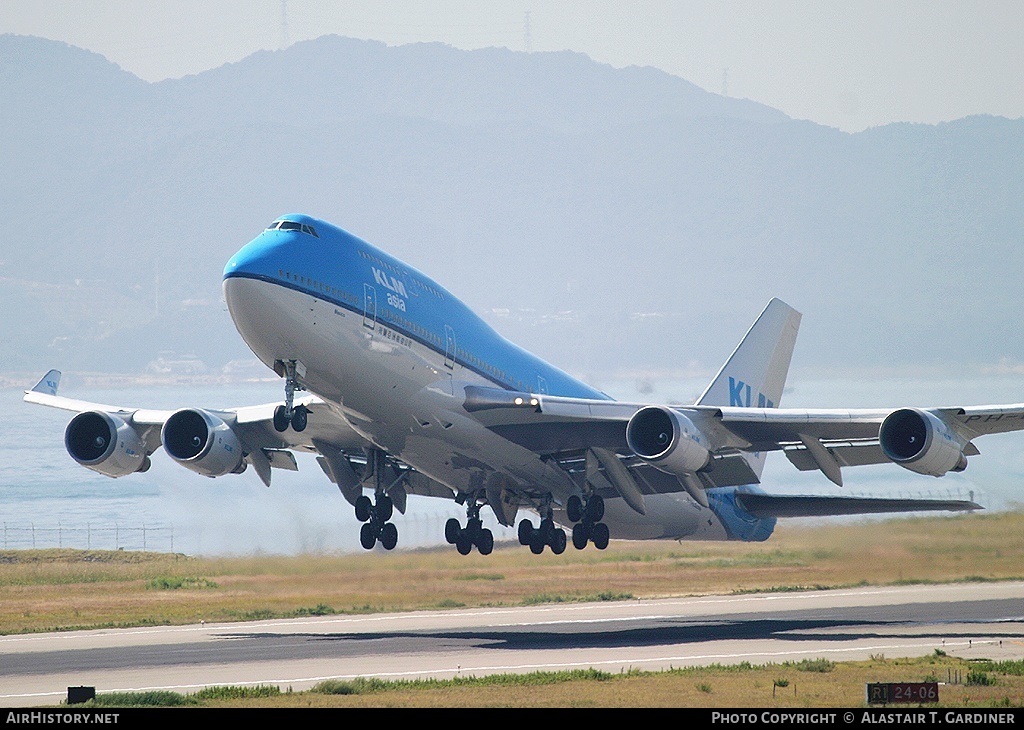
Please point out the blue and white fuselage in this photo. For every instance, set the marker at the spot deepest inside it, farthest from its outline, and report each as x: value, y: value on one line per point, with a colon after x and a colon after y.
x: 392, y: 351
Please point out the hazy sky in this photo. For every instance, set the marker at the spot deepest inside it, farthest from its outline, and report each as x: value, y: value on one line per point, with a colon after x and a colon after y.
x: 851, y: 64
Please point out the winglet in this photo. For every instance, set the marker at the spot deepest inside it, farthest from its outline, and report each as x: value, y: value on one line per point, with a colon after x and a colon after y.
x: 48, y: 384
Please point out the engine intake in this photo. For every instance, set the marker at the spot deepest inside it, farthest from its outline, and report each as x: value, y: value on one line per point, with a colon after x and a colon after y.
x: 667, y: 440
x: 105, y: 443
x: 921, y: 442
x: 202, y: 442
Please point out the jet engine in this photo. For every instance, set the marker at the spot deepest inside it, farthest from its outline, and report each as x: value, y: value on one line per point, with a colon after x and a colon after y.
x: 105, y: 443
x: 667, y: 440
x: 922, y: 442
x: 202, y: 442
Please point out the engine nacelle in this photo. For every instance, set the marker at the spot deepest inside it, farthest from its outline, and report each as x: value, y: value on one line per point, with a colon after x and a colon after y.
x: 202, y: 442
x: 105, y: 443
x: 922, y: 442
x: 667, y: 440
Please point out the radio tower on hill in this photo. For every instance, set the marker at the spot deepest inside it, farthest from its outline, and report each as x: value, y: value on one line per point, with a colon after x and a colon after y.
x: 284, y: 24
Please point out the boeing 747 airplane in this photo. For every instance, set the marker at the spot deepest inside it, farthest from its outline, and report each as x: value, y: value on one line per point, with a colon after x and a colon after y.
x: 398, y: 389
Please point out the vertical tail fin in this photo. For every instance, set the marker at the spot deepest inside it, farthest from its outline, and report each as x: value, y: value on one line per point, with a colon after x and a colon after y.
x: 755, y: 374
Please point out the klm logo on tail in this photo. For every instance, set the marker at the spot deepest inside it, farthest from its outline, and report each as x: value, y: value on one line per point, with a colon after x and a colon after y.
x: 740, y: 394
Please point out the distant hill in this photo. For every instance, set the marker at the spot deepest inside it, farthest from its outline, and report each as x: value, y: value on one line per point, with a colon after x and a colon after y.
x: 605, y: 218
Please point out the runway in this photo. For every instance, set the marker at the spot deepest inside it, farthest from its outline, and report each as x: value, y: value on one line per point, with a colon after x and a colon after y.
x: 969, y: 620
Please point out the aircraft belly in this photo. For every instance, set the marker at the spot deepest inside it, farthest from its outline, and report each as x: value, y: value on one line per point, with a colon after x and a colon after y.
x: 456, y: 450
x: 394, y: 391
x: 669, y: 516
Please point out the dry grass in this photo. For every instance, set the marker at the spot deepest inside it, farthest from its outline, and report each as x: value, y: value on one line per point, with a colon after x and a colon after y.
x: 819, y: 685
x: 51, y: 589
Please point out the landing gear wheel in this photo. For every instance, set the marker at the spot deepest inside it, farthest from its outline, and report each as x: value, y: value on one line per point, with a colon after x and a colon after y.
x: 595, y: 508
x: 389, y: 536
x: 558, y: 541
x: 485, y: 542
x: 452, y: 530
x: 546, y: 530
x: 281, y: 419
x: 299, y: 416
x: 364, y: 508
x: 463, y: 544
x: 385, y: 508
x: 526, y: 532
x: 537, y: 543
x: 580, y: 536
x: 368, y: 536
x: 574, y: 508
x: 600, y: 536
x: 289, y: 413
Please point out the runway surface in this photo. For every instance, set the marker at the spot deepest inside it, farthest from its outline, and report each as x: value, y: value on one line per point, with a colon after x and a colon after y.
x: 970, y: 620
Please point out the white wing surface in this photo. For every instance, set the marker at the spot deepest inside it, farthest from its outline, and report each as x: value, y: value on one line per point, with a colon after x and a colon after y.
x: 118, y: 440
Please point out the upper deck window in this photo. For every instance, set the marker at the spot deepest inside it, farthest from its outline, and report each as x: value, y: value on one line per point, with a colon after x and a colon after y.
x: 293, y: 226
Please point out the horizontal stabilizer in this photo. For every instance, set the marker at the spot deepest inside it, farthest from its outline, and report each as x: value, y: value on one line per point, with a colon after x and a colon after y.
x: 793, y: 505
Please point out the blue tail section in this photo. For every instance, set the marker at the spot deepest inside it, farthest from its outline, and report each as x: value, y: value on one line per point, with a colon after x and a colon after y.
x: 738, y: 523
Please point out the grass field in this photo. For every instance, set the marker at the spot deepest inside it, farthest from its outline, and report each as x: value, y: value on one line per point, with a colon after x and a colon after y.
x: 64, y: 589
x: 812, y: 683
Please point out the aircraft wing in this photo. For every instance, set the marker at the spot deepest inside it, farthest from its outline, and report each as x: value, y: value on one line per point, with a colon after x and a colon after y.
x: 341, y: 451
x: 925, y: 440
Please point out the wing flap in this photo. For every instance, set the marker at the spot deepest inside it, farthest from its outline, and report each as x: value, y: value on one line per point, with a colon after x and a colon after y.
x: 860, y: 454
x: 423, y: 486
x: 730, y: 470
x: 559, y: 436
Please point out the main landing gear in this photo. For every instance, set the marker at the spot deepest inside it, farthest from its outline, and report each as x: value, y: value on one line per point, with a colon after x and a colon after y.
x: 473, y: 534
x: 289, y: 414
x: 586, y: 512
x: 547, y: 534
x: 587, y: 516
x: 375, y: 515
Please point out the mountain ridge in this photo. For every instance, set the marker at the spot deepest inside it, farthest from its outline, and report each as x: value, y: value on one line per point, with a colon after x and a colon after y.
x: 564, y: 199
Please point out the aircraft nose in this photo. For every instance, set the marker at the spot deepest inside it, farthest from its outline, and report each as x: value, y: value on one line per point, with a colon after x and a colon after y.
x: 253, y: 259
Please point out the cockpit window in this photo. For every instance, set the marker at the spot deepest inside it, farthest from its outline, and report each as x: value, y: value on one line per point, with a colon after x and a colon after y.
x: 293, y: 226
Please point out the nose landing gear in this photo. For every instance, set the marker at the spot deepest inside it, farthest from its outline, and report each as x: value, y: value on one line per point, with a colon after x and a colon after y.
x: 289, y: 414
x: 297, y: 420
